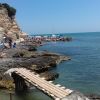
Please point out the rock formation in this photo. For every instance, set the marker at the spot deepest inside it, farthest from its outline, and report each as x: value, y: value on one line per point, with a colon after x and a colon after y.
x: 8, y: 24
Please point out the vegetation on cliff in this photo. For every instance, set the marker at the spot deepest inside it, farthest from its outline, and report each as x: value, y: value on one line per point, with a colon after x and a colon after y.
x: 11, y: 10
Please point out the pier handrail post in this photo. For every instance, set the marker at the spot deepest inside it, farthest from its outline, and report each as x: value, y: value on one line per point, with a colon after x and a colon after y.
x: 10, y: 96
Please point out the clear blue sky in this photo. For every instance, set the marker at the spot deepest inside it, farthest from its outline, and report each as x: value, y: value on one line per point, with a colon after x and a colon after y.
x: 54, y: 16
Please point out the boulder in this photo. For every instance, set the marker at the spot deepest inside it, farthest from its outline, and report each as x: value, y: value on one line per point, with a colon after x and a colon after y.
x: 49, y: 75
x: 75, y: 96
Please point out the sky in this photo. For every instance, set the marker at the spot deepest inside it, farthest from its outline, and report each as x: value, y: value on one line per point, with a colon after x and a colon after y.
x: 57, y: 16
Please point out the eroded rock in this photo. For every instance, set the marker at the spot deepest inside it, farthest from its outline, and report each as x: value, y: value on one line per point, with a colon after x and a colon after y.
x: 49, y: 75
x: 75, y: 96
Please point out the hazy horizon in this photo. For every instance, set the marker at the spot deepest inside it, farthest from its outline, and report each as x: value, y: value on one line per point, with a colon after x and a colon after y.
x: 64, y: 33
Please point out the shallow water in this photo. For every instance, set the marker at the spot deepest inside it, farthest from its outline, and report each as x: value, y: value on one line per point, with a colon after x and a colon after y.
x: 82, y: 73
x: 31, y: 95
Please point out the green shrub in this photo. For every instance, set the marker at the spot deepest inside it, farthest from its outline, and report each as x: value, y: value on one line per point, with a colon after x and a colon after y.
x: 11, y: 10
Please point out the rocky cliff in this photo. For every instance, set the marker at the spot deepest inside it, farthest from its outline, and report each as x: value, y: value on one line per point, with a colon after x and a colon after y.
x: 8, y: 24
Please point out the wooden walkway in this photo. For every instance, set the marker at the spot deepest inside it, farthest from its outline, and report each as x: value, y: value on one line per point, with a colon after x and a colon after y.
x: 56, y: 91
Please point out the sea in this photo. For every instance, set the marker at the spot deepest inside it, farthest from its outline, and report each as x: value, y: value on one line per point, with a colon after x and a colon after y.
x: 81, y: 73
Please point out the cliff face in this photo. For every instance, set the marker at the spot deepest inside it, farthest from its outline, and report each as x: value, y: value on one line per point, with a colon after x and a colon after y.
x: 8, y: 24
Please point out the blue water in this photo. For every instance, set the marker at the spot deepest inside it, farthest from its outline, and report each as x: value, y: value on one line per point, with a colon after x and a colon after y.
x: 81, y: 73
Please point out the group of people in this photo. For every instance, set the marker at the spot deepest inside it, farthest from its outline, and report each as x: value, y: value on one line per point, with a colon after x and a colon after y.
x: 8, y: 43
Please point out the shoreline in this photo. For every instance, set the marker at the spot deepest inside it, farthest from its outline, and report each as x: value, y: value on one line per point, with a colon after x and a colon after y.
x: 23, y: 56
x: 38, y: 61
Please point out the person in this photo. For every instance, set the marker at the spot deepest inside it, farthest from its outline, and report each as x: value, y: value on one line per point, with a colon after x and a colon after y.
x: 10, y: 42
x: 14, y: 45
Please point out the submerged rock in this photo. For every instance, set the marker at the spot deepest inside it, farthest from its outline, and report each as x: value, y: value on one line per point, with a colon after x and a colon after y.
x: 75, y: 96
x: 93, y: 96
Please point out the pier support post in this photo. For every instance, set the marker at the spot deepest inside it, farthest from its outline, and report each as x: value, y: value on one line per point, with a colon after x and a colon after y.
x: 20, y: 84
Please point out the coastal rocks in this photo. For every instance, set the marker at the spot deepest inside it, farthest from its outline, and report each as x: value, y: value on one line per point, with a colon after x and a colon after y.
x: 39, y: 61
x: 8, y: 22
x: 18, y: 54
x: 2, y: 55
x: 6, y: 82
x: 49, y: 75
x: 65, y: 39
x: 75, y: 96
x: 2, y: 31
x: 36, y: 61
x: 62, y: 58
x: 59, y: 58
x: 32, y: 48
x: 93, y: 96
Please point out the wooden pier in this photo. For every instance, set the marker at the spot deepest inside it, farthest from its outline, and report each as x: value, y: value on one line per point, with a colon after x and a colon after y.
x: 55, y: 91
